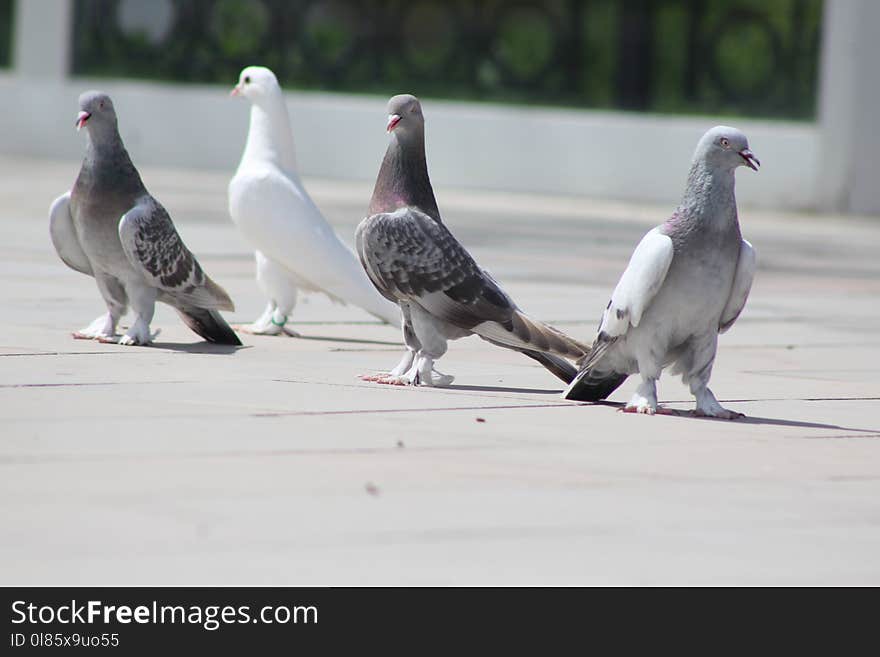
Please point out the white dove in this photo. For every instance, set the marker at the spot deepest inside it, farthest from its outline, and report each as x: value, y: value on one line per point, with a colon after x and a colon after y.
x: 296, y: 249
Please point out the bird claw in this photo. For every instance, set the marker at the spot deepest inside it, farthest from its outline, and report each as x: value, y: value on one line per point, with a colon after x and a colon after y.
x: 723, y: 414
x: 441, y: 380
x: 271, y: 329
x: 650, y: 410
x: 128, y: 340
x: 102, y: 327
x: 386, y: 378
x: 80, y: 335
x: 375, y: 378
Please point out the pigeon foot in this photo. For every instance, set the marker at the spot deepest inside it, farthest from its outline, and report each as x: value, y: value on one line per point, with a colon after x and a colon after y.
x: 270, y: 329
x: 647, y: 409
x: 426, y: 375
x: 102, y: 327
x: 722, y: 414
x: 379, y: 377
x: 138, y: 335
x: 387, y: 378
x: 398, y: 375
x: 708, y: 406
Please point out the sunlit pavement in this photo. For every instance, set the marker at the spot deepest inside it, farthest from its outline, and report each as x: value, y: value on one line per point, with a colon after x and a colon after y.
x: 185, y: 463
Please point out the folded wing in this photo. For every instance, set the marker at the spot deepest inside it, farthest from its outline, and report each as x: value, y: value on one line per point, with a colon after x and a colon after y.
x: 410, y: 256
x: 64, y: 237
x: 742, y: 285
x: 154, y: 247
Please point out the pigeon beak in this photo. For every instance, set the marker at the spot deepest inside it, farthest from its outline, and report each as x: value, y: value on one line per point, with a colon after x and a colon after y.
x: 751, y: 161
x: 81, y: 119
x: 236, y: 91
x: 393, y: 120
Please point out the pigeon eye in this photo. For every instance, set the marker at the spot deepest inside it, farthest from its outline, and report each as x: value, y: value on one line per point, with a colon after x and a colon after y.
x: 725, y: 142
x: 247, y: 79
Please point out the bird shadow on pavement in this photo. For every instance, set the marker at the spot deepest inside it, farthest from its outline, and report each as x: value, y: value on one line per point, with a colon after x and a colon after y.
x: 751, y: 419
x: 322, y: 338
x: 748, y: 419
x: 533, y: 391
x: 201, y: 347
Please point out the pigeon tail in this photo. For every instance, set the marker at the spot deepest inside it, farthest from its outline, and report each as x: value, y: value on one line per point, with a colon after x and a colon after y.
x: 521, y: 332
x: 589, y: 387
x: 209, y: 324
x: 559, y: 367
x: 220, y: 295
x: 591, y: 384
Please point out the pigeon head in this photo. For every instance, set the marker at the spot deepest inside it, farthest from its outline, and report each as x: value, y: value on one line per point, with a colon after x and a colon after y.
x: 405, y: 116
x: 256, y: 83
x: 96, y: 112
x: 726, y: 148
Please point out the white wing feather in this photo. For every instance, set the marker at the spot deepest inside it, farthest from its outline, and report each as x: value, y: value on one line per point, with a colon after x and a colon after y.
x: 278, y: 217
x: 64, y: 237
x: 742, y: 284
x: 639, y: 284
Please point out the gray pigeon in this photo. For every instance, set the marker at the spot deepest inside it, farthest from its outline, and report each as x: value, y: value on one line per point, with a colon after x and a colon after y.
x: 414, y: 261
x: 108, y: 226
x: 687, y: 281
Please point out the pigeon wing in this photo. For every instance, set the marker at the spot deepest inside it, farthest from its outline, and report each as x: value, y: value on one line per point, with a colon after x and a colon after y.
x: 411, y: 257
x: 64, y: 237
x: 742, y: 284
x: 639, y: 284
x: 154, y: 247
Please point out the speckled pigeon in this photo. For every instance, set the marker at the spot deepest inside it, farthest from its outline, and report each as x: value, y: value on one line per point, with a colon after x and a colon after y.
x: 109, y: 227
x: 414, y: 260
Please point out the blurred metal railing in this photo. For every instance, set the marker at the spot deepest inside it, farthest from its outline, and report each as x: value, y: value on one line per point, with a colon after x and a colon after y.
x: 747, y: 57
x: 826, y: 162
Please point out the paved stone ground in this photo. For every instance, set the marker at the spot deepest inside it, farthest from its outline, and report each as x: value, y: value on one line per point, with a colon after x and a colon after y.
x: 273, y: 464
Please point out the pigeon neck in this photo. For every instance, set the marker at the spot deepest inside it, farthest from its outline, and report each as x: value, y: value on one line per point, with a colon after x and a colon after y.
x: 108, y: 165
x: 269, y: 136
x: 709, y: 195
x: 403, y: 179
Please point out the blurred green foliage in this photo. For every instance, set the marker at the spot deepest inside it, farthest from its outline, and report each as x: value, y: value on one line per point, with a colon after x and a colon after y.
x: 738, y: 57
x: 5, y: 33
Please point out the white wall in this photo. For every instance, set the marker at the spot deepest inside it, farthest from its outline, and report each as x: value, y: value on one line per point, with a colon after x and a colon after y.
x: 597, y: 154
x: 601, y: 154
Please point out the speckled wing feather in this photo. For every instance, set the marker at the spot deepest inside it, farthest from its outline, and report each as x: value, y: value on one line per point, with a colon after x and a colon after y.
x: 153, y: 246
x: 411, y: 257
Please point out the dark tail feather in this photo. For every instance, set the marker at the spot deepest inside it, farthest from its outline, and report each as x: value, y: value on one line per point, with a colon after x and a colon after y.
x: 588, y: 387
x: 209, y: 324
x: 560, y: 367
x: 592, y: 385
